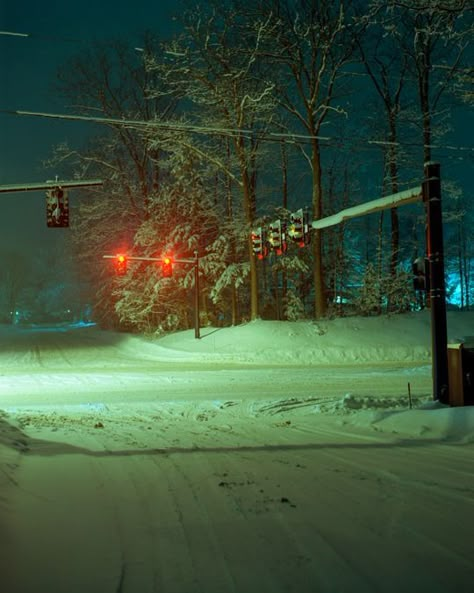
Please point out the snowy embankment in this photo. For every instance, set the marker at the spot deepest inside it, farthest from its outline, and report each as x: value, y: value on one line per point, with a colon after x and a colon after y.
x: 378, y: 348
x: 344, y: 340
x: 76, y: 362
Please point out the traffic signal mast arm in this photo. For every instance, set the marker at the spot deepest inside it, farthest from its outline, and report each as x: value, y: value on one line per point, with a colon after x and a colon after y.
x: 404, y: 197
x: 158, y: 259
x: 57, y: 200
x: 22, y: 187
x: 167, y: 271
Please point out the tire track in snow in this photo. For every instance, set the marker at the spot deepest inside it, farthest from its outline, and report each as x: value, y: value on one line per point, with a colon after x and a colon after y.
x: 237, y: 538
x: 392, y: 482
x: 291, y: 545
x: 132, y: 520
x: 210, y: 565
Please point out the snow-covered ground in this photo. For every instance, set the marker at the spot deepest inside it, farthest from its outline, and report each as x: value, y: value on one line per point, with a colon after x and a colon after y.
x: 269, y: 457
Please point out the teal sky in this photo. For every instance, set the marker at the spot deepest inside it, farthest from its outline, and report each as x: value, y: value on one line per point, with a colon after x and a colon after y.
x: 58, y: 30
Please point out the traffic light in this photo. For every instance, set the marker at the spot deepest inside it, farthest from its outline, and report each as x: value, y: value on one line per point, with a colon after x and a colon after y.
x: 57, y: 207
x: 258, y: 242
x: 276, y: 237
x: 167, y: 267
x: 120, y: 263
x: 420, y: 274
x: 297, y: 230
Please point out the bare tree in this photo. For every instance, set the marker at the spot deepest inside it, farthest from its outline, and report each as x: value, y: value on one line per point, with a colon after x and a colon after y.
x: 434, y: 36
x: 387, y: 69
x: 442, y: 6
x: 111, y: 81
x: 214, y: 64
x: 464, y: 85
x: 459, y: 243
x: 311, y: 42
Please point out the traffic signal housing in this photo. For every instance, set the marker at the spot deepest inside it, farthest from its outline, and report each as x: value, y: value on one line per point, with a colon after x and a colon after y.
x: 258, y: 242
x: 167, y: 267
x: 298, y: 229
x: 57, y: 207
x: 420, y: 270
x: 120, y: 264
x: 276, y: 237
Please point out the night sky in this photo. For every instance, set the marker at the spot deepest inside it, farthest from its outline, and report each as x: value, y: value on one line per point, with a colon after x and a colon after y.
x: 27, y: 70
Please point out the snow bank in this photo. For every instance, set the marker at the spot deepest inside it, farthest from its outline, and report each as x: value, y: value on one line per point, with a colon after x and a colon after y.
x: 338, y: 341
x: 429, y: 420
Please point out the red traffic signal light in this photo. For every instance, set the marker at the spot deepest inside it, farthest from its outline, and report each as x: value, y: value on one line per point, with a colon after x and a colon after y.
x: 120, y: 264
x: 167, y: 267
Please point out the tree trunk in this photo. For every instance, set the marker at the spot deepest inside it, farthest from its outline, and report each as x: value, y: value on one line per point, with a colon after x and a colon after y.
x: 379, y: 270
x: 233, y: 250
x: 320, y: 305
x: 424, y: 89
x: 249, y: 210
x: 284, y: 195
x: 393, y: 168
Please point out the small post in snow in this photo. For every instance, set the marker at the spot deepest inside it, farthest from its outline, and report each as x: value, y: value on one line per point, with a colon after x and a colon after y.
x: 197, y: 334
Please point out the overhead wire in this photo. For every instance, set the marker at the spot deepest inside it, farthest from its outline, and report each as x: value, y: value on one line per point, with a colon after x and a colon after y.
x: 291, y: 138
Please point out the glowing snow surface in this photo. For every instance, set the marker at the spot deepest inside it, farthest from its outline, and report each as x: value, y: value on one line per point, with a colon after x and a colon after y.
x: 269, y: 457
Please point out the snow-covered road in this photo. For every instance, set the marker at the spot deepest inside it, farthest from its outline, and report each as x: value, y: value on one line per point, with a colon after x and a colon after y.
x: 85, y: 366
x: 124, y: 471
x: 142, y: 501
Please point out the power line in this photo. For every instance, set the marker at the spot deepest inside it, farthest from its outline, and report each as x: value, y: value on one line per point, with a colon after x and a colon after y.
x: 231, y: 132
x: 15, y: 34
x: 42, y: 37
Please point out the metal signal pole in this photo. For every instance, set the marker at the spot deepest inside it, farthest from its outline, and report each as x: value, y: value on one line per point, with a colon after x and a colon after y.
x: 430, y: 192
x: 437, y: 293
